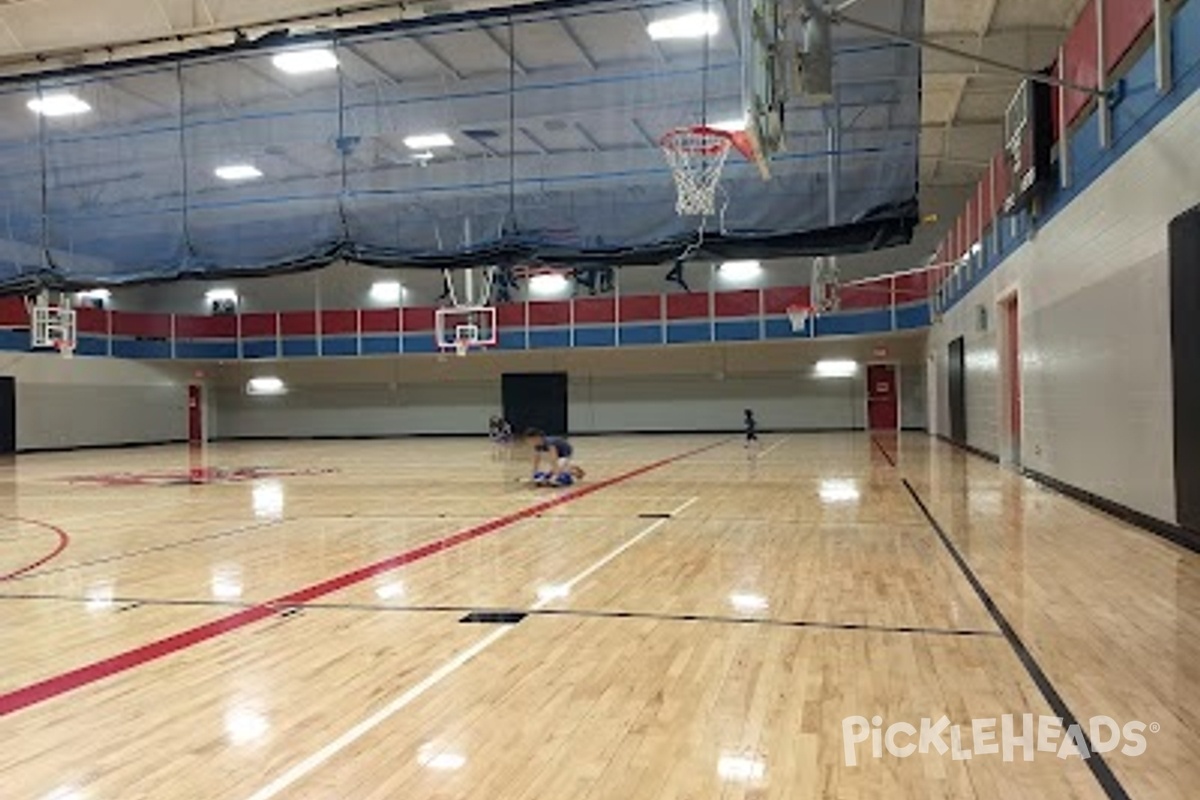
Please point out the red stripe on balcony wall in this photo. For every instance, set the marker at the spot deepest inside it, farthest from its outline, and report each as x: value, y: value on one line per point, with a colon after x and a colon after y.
x: 595, y: 310
x: 776, y: 301
x: 510, y: 315
x: 220, y: 327
x: 736, y: 304
x: 298, y: 323
x: 419, y: 318
x: 381, y: 320
x: 259, y: 326
x: 687, y: 306
x: 339, y: 323
x: 129, y: 323
x: 641, y: 308
x: 550, y: 313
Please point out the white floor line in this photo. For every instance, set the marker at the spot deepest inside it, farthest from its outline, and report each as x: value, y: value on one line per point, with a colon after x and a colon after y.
x: 308, y: 765
x: 771, y: 448
x: 679, y: 510
x: 303, y: 768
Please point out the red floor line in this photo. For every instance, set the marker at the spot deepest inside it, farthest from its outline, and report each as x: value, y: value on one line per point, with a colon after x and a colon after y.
x: 63, y: 541
x: 49, y: 688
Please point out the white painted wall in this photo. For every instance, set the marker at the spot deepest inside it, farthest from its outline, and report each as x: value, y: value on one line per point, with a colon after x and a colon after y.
x: 633, y: 389
x: 94, y: 401
x: 1095, y: 316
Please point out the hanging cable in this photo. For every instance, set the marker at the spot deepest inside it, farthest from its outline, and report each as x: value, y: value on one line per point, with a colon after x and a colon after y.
x: 189, y: 250
x: 512, y: 125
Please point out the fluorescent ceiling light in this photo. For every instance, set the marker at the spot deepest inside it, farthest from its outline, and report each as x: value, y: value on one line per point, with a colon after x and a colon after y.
x: 95, y: 294
x: 549, y: 283
x: 58, y: 105
x: 305, y: 62
x: 688, y: 26
x: 218, y: 295
x: 741, y: 270
x: 238, y: 172
x: 387, y: 291
x: 265, y: 386
x: 425, y: 141
x: 836, y: 368
x: 730, y: 125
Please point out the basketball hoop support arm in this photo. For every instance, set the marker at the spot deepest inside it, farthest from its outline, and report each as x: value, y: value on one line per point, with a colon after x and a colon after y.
x: 838, y: 17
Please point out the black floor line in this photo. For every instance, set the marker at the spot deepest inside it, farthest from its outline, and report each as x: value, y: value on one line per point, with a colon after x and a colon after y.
x: 883, y: 450
x: 129, y: 603
x: 1103, y: 773
x: 208, y: 537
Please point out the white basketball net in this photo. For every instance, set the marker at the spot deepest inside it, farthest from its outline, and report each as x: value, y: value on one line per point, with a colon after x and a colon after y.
x: 696, y: 157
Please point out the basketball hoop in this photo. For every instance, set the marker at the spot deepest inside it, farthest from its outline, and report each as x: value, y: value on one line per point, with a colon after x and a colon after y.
x: 798, y: 316
x: 697, y: 156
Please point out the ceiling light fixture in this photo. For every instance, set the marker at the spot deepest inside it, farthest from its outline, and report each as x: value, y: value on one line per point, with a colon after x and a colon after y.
x: 58, y: 105
x: 426, y: 141
x: 238, y: 172
x: 305, y: 62
x: 688, y: 26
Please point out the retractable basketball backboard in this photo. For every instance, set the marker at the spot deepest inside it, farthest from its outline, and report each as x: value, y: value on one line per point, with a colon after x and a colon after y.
x: 764, y: 77
x: 52, y: 324
x: 467, y: 321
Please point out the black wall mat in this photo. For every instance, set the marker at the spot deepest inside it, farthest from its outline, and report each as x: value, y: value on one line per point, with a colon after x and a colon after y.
x: 536, y: 400
x: 957, y: 374
x: 1184, y: 235
x: 8, y: 415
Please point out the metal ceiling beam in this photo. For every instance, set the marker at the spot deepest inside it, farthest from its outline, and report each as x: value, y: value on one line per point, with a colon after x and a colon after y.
x: 574, y: 39
x: 509, y: 56
x: 446, y: 66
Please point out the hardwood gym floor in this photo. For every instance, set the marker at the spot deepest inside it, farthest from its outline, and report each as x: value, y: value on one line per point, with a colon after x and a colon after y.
x: 698, y: 624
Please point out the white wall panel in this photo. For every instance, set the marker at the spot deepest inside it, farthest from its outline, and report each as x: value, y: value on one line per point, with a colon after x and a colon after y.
x: 1095, y: 339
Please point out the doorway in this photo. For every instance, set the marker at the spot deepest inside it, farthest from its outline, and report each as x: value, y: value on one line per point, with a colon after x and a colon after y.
x: 883, y: 398
x: 956, y: 377
x: 536, y: 400
x: 1011, y: 349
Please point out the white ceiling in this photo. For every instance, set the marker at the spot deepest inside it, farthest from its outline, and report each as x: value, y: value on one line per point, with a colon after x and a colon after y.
x: 962, y: 104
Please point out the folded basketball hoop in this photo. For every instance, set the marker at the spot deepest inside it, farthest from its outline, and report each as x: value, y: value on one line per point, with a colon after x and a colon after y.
x: 697, y: 157
x: 798, y: 316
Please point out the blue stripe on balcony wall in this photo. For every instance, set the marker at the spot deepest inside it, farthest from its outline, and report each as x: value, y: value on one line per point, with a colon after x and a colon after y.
x: 848, y: 324
x: 641, y: 334
x: 91, y: 346
x: 14, y: 340
x: 912, y: 316
x: 745, y: 330
x: 420, y: 343
x: 339, y: 346
x: 545, y: 338
x: 226, y: 350
x: 260, y: 348
x: 299, y: 347
x: 511, y: 340
x: 781, y: 328
x: 688, y: 332
x: 595, y: 337
x: 134, y: 348
x: 380, y: 345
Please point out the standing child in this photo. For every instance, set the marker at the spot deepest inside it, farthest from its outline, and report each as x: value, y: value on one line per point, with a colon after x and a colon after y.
x: 751, y: 425
x: 560, y: 471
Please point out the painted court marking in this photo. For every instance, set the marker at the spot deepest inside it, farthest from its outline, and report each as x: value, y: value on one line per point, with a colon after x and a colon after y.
x: 63, y: 541
x: 49, y: 688
x: 304, y: 768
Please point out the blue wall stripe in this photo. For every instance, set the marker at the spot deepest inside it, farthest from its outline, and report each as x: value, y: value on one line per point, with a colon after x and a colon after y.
x: 339, y: 346
x: 737, y: 331
x: 299, y: 347
x: 688, y: 332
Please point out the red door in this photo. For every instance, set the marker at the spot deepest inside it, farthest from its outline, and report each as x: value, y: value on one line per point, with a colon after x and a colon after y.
x: 883, y: 398
x: 195, y: 415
